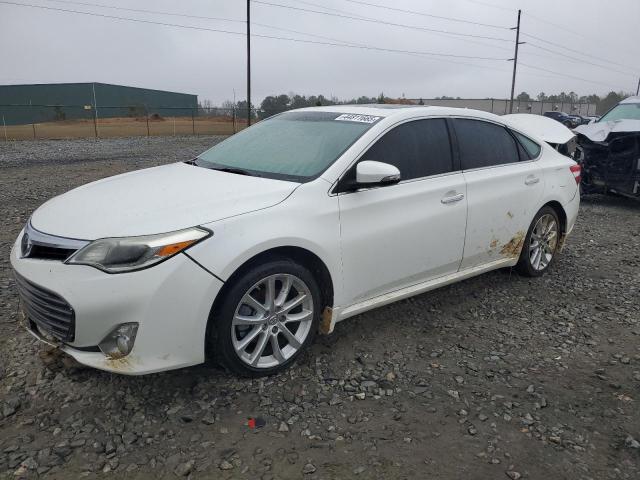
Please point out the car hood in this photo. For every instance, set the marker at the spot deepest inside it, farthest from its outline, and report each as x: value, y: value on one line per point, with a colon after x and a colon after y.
x: 600, y: 131
x: 156, y: 200
x: 547, y: 129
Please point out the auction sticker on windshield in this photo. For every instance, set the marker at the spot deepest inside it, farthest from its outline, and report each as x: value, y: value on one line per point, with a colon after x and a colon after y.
x: 352, y: 117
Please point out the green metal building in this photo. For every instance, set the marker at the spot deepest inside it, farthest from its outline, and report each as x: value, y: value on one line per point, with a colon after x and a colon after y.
x: 37, y: 103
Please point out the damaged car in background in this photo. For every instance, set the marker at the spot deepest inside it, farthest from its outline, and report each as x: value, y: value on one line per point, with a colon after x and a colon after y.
x: 609, y: 151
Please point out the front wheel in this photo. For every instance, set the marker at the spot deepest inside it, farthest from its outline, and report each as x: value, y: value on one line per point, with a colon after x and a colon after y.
x: 541, y: 243
x: 268, y: 317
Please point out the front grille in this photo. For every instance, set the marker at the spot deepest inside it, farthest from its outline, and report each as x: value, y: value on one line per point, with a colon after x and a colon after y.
x: 47, y: 310
x: 43, y: 246
x: 43, y: 252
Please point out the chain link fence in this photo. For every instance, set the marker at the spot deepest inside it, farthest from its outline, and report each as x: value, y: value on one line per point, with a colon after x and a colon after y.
x: 29, y: 121
x: 501, y: 106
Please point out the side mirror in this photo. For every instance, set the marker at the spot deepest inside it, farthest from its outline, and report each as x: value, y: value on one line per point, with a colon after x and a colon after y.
x: 370, y: 173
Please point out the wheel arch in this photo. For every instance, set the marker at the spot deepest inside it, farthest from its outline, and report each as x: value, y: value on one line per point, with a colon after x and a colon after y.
x: 297, y: 254
x: 560, y: 211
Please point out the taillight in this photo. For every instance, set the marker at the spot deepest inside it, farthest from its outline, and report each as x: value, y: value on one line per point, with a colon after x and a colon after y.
x: 577, y: 171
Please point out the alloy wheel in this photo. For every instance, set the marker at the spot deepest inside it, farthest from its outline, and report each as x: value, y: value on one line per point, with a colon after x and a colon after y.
x: 272, y: 321
x: 543, y: 243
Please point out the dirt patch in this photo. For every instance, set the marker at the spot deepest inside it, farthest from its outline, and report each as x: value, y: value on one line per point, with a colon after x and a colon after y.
x: 513, y: 247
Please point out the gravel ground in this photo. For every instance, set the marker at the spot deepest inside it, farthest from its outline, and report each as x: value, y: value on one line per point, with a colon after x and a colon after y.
x: 499, y: 376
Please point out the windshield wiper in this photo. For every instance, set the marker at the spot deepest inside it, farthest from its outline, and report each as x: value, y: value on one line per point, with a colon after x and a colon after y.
x: 237, y: 171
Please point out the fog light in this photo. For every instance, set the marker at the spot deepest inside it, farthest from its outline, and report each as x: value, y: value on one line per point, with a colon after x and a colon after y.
x: 119, y: 342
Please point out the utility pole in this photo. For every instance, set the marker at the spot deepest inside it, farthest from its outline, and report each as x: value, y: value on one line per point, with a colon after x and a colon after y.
x: 638, y: 89
x: 248, y: 63
x: 515, y: 62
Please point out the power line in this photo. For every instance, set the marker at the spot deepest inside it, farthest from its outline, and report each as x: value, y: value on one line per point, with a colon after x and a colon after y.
x: 565, y: 29
x: 158, y: 12
x: 577, y: 60
x: 201, y: 17
x: 573, y: 50
x: 334, y: 42
x: 423, y: 14
x: 300, y: 40
x: 139, y: 10
x: 329, y: 8
x: 467, y: 40
x: 382, y: 22
x: 475, y: 42
x: 230, y: 20
x: 565, y: 75
x: 491, y: 5
x: 562, y: 28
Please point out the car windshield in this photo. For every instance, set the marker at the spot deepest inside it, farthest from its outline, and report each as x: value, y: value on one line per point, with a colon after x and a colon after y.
x: 294, y: 146
x: 624, y: 111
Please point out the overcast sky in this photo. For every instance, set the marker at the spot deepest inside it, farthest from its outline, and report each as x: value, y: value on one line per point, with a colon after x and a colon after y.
x: 42, y: 46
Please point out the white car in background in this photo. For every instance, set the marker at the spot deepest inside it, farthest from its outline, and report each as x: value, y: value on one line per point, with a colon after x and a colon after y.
x: 280, y: 231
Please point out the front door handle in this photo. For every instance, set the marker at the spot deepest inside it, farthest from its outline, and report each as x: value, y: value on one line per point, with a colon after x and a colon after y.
x: 453, y: 198
x: 531, y: 180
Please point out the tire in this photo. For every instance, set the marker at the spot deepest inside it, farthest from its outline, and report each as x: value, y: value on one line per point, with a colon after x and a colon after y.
x: 254, y: 333
x: 536, y: 256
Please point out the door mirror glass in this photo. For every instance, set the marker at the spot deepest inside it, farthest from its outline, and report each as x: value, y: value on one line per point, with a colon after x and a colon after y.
x: 370, y: 173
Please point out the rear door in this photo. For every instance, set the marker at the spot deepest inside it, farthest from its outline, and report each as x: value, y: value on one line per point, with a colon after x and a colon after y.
x: 399, y: 235
x: 504, y: 186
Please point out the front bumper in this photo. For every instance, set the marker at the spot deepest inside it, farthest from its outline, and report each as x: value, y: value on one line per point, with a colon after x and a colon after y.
x: 170, y: 301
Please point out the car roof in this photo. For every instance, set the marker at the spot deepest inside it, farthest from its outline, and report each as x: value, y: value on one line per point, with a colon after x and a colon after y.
x: 402, y: 111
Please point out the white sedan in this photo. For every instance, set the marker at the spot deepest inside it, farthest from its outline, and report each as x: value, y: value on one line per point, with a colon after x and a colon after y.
x: 303, y: 220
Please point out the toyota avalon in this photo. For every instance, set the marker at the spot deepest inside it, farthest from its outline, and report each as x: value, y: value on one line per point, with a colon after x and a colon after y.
x: 279, y: 232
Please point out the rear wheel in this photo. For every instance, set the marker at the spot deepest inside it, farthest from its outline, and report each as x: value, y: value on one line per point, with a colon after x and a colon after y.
x: 267, y: 319
x: 541, y: 243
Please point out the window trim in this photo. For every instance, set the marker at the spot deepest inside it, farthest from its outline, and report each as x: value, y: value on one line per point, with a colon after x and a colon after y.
x: 507, y: 128
x: 513, y: 132
x: 453, y: 148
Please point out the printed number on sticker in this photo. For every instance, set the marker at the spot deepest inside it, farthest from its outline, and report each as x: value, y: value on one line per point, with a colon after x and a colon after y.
x: 351, y: 117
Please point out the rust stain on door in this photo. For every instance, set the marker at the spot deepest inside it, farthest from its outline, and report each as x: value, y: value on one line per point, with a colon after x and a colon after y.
x: 513, y: 247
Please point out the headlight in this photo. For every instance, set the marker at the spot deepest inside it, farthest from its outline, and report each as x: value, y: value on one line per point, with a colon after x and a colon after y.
x: 118, y: 255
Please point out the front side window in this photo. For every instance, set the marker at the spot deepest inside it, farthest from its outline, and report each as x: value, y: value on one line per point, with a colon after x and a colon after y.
x: 294, y: 146
x: 484, y: 144
x: 419, y: 148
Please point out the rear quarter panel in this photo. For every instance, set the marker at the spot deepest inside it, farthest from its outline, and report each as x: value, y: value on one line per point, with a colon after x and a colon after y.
x: 560, y: 184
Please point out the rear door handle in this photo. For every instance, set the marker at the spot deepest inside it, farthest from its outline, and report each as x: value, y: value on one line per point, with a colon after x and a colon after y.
x: 531, y: 180
x: 453, y: 198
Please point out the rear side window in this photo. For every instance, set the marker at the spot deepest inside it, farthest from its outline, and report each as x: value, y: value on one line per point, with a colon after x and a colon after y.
x: 484, y: 144
x: 418, y: 149
x: 531, y: 148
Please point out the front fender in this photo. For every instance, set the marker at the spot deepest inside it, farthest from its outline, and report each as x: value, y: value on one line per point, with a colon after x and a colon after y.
x: 314, y: 227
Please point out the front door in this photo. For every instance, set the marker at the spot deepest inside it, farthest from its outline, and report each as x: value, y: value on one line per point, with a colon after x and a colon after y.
x: 399, y: 235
